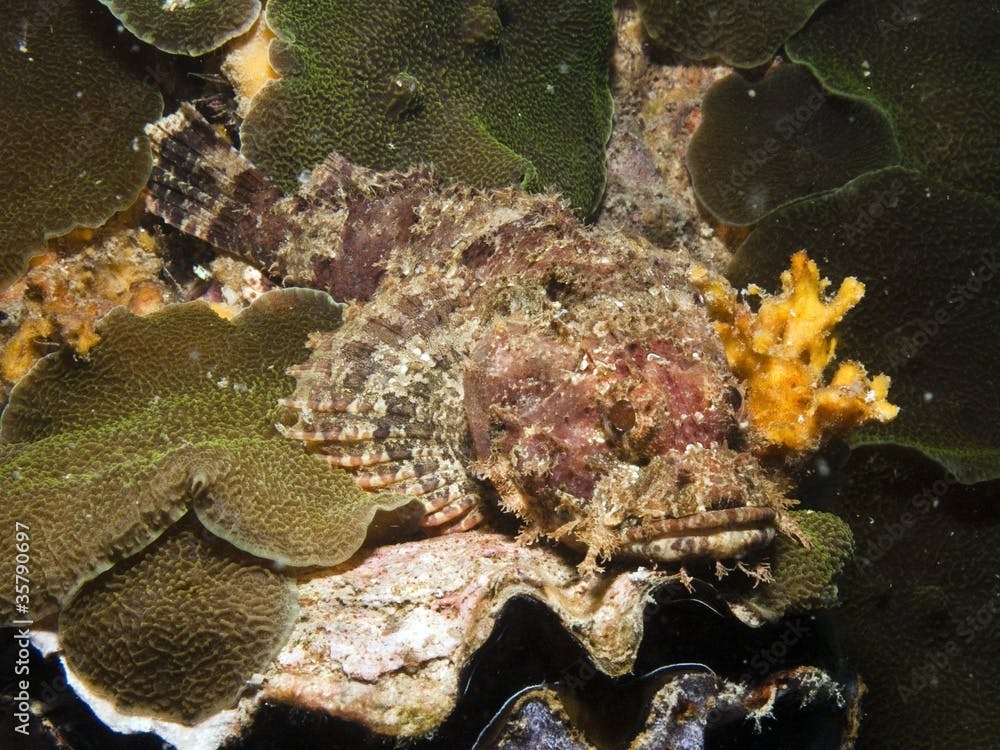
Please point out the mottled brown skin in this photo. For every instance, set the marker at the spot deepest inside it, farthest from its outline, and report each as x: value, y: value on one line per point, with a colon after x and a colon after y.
x: 503, y: 350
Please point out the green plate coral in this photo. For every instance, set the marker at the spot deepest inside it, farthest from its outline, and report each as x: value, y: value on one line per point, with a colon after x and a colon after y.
x: 739, y: 33
x: 490, y: 93
x: 919, y: 236
x: 177, y: 630
x: 73, y: 106
x: 932, y: 67
x: 791, y: 139
x: 187, y: 27
x: 803, y: 576
x: 99, y: 456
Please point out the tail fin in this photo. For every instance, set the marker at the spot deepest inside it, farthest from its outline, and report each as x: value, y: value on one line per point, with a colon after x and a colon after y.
x: 204, y: 187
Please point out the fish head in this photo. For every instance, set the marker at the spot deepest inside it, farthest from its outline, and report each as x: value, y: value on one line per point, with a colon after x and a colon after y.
x: 619, y: 432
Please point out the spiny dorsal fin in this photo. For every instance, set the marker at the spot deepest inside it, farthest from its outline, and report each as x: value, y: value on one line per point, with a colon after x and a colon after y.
x: 204, y: 187
x: 336, y: 233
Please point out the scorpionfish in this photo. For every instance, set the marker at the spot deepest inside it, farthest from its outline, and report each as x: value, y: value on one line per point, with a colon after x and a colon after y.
x: 496, y: 355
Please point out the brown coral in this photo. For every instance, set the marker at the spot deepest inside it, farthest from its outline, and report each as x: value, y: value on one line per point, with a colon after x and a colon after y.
x: 178, y: 629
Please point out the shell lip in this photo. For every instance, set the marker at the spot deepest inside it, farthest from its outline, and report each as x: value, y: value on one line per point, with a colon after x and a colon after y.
x: 719, y: 534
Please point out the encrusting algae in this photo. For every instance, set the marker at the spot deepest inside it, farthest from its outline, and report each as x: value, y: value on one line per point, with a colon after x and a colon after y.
x: 782, y: 351
x: 247, y: 65
x: 79, y: 278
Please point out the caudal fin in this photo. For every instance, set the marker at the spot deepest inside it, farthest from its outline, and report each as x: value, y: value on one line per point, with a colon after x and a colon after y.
x: 204, y: 187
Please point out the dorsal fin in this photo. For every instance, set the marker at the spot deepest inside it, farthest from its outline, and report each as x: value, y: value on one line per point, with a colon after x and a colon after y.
x: 204, y: 187
x: 335, y: 233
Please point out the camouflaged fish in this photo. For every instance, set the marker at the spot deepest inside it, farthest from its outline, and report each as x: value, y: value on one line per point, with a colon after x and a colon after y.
x: 495, y: 353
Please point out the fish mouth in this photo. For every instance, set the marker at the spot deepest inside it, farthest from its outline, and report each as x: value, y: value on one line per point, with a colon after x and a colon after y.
x: 716, y: 534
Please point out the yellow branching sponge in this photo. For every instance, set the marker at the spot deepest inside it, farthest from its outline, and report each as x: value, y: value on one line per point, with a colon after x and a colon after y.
x: 781, y: 353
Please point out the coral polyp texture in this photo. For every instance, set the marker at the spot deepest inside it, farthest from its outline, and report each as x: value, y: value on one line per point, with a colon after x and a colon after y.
x: 802, y: 574
x: 74, y: 103
x: 177, y: 630
x: 100, y: 455
x: 384, y: 639
x: 765, y: 143
x: 489, y: 93
x: 782, y: 351
x: 943, y: 108
x: 920, y: 231
x: 188, y: 27
x: 925, y: 252
x: 739, y: 33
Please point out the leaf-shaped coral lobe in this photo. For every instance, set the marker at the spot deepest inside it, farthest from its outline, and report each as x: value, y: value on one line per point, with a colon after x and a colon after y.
x: 99, y: 456
x: 488, y: 93
x: 178, y: 630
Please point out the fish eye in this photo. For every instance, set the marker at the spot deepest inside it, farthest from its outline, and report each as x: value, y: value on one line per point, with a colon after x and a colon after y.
x: 622, y: 416
x: 734, y: 397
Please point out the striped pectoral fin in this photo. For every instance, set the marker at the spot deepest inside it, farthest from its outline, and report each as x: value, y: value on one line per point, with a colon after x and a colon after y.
x: 382, y: 398
x: 451, y: 500
x: 358, y: 430
x: 453, y: 508
x: 371, y: 453
x: 350, y: 435
x: 404, y: 477
x: 384, y: 455
x: 203, y: 186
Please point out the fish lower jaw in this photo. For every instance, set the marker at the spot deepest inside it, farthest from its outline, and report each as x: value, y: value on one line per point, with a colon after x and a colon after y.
x: 719, y: 535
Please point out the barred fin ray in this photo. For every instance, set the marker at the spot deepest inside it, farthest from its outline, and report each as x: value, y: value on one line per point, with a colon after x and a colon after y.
x: 458, y: 509
x: 204, y: 187
x: 353, y: 431
x: 358, y: 455
x: 395, y: 368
